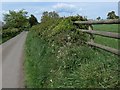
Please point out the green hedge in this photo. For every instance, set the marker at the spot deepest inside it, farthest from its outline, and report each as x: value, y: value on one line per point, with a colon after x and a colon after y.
x: 56, y: 57
x: 9, y: 33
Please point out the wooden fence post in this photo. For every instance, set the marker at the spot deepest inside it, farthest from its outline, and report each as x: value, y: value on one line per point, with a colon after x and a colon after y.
x: 91, y: 35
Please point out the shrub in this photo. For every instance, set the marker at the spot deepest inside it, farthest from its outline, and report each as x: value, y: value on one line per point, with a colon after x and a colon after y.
x: 9, y: 33
x: 58, y: 58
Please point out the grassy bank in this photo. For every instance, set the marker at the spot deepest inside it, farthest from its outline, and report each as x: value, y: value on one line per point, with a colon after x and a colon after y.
x: 53, y: 60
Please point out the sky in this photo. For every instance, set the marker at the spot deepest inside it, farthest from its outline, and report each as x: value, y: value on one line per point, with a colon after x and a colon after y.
x: 90, y: 9
x: 59, y: 0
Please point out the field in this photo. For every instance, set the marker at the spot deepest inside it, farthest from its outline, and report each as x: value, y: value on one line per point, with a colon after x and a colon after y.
x: 52, y: 65
x: 104, y: 40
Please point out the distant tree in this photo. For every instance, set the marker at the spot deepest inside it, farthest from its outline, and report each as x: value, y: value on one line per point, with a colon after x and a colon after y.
x: 45, y: 16
x: 112, y: 15
x: 49, y: 15
x: 1, y: 24
x: 53, y: 14
x: 85, y: 17
x: 98, y: 18
x: 16, y: 19
x: 33, y: 20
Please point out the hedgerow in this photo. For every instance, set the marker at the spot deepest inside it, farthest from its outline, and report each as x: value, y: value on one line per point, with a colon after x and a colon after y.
x: 9, y: 33
x: 57, y: 57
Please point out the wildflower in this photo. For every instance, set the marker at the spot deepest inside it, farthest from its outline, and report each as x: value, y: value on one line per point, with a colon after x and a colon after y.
x: 69, y: 43
x: 59, y: 51
x: 51, y: 70
x: 50, y: 80
x: 52, y: 50
x: 52, y: 45
x: 75, y: 54
x: 69, y: 38
x: 58, y: 57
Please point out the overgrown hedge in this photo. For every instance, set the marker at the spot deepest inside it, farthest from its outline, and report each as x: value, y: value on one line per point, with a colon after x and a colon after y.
x: 56, y: 57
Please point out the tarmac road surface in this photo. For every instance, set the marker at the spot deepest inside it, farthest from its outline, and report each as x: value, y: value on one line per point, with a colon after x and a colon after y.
x: 12, y: 62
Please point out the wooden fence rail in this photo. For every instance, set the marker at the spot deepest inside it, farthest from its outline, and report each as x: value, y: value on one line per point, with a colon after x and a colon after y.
x: 109, y: 49
x: 101, y: 33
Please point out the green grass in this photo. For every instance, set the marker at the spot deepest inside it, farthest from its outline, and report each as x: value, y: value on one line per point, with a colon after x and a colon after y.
x: 52, y: 66
x: 105, y: 40
x: 106, y: 27
x: 57, y: 57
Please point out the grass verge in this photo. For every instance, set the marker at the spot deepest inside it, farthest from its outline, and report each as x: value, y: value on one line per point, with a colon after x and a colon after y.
x: 52, y: 66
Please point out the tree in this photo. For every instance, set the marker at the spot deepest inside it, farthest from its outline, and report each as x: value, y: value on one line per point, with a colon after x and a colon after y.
x: 49, y: 15
x: 98, y: 18
x: 16, y: 19
x: 53, y: 14
x: 33, y: 20
x: 112, y: 15
x: 45, y: 16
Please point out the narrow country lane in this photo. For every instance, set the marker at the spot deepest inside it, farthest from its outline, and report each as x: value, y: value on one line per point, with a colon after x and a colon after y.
x: 12, y: 62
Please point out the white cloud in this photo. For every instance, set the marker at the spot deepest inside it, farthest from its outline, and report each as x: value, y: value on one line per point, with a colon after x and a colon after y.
x: 65, y: 7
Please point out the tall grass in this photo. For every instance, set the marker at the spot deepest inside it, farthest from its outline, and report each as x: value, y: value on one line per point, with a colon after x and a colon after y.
x: 52, y: 66
x: 56, y: 56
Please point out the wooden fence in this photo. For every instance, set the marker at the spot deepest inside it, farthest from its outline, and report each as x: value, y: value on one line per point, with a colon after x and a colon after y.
x: 101, y: 33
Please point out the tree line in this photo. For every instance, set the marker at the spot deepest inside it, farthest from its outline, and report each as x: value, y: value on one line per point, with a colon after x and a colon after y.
x: 110, y: 15
x: 21, y: 21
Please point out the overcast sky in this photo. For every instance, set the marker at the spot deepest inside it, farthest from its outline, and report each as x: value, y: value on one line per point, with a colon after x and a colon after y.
x: 90, y: 9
